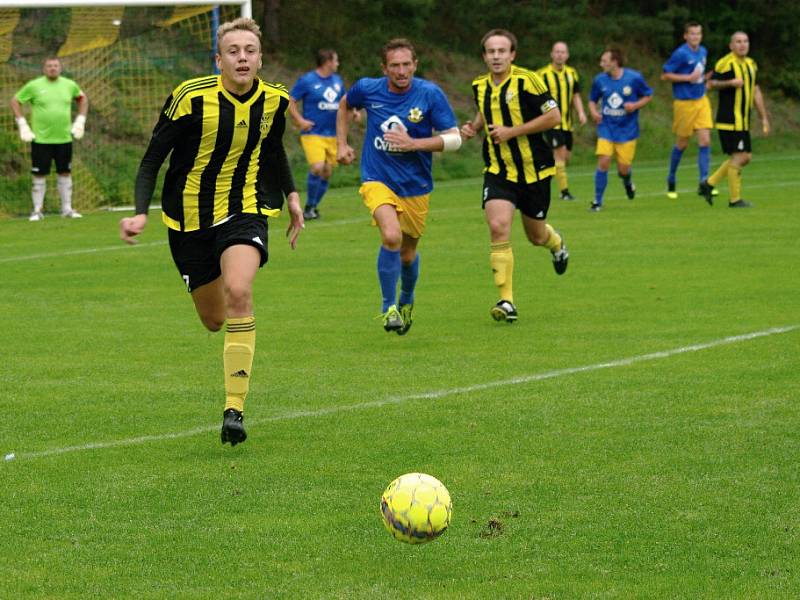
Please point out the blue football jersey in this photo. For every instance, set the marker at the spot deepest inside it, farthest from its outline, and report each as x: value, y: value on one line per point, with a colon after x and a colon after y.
x: 684, y: 61
x: 611, y: 95
x: 320, y: 97
x: 421, y: 110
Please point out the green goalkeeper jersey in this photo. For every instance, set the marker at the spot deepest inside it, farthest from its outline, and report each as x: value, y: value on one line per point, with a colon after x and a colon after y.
x: 51, y: 108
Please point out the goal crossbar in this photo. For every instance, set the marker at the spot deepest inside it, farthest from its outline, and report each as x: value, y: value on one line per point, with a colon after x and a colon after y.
x: 247, y: 7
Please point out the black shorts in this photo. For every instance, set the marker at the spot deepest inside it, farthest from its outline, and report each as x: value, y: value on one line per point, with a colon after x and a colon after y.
x: 556, y: 138
x: 734, y: 141
x: 197, y: 253
x: 532, y: 199
x: 42, y: 155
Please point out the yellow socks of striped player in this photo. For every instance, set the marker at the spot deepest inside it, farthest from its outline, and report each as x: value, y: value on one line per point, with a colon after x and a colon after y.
x: 553, y: 242
x: 719, y: 174
x: 561, y: 175
x: 237, y: 357
x: 501, y: 259
x: 735, y: 183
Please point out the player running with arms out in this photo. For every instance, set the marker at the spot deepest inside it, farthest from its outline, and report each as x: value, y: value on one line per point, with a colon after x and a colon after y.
x: 735, y: 77
x: 614, y: 102
x: 691, y: 110
x: 514, y: 109
x: 227, y: 174
x: 403, y: 112
x: 564, y: 85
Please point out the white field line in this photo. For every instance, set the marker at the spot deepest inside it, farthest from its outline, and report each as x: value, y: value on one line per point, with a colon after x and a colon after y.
x: 364, y: 220
x: 120, y: 246
x: 394, y: 400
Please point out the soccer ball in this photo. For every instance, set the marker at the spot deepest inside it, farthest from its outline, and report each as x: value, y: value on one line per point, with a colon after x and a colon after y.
x: 416, y: 508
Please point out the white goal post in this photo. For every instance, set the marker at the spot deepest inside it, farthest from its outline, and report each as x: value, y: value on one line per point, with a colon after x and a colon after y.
x: 247, y: 5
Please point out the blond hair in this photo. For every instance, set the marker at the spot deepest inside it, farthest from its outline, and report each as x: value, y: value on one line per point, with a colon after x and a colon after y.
x: 240, y: 24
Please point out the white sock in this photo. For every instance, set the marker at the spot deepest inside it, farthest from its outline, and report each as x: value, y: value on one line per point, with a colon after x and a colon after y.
x: 65, y: 192
x: 37, y: 193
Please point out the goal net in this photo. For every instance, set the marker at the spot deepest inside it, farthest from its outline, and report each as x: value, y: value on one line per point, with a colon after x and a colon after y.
x: 126, y: 59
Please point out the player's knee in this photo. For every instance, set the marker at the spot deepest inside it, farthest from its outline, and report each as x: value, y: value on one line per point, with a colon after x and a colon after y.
x: 536, y: 238
x: 238, y: 297
x: 392, y: 238
x: 212, y: 322
x: 317, y: 169
x: 745, y: 158
x: 407, y: 255
x: 498, y: 227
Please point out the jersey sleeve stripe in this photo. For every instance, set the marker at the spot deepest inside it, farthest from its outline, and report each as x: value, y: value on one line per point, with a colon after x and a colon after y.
x: 187, y: 88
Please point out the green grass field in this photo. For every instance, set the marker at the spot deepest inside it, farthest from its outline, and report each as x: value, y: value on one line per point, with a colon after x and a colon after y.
x: 635, y: 434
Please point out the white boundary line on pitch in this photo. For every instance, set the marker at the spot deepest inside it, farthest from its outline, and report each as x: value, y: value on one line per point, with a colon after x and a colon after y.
x: 432, y: 395
x: 325, y: 224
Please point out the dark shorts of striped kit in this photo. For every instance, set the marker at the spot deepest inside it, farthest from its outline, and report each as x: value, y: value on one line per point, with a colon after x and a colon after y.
x: 197, y: 253
x: 734, y: 141
x: 556, y: 138
x: 532, y: 199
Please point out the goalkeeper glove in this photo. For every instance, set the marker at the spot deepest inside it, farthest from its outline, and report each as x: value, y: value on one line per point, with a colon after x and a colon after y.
x: 78, y: 127
x: 25, y: 133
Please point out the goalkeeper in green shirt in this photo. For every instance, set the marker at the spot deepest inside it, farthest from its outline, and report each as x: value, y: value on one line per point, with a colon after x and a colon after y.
x: 52, y: 132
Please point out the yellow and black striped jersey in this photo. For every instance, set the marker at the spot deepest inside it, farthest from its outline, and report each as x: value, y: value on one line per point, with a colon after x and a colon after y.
x: 227, y: 154
x: 520, y: 98
x: 563, y: 85
x: 735, y: 104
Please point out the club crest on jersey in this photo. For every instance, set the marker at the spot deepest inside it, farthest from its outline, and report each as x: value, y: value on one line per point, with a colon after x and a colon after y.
x: 509, y: 96
x: 415, y: 115
x: 266, y: 122
x: 626, y: 91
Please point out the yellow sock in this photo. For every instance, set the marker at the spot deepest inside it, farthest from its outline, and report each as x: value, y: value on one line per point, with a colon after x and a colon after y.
x: 561, y: 175
x: 735, y: 183
x: 237, y: 358
x: 719, y: 174
x: 553, y: 242
x: 502, y: 261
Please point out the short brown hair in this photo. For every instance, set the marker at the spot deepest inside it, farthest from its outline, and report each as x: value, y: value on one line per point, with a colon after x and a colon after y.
x: 324, y: 55
x: 501, y: 32
x: 616, y: 55
x: 397, y: 44
x: 691, y: 24
x: 240, y: 24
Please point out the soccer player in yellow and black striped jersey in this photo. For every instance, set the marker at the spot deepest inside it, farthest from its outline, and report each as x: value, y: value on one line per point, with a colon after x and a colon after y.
x: 735, y: 77
x: 514, y: 108
x: 565, y: 87
x: 227, y: 174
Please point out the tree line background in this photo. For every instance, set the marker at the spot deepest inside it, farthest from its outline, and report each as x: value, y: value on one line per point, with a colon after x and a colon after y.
x: 357, y: 29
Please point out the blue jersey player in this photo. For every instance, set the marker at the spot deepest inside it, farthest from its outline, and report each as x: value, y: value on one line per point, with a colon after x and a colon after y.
x: 691, y: 110
x: 614, y: 102
x: 402, y: 114
x: 320, y: 91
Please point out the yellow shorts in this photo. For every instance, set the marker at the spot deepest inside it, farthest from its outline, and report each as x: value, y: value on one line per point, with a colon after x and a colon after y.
x: 412, y: 211
x: 690, y: 115
x: 622, y: 152
x: 319, y: 148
